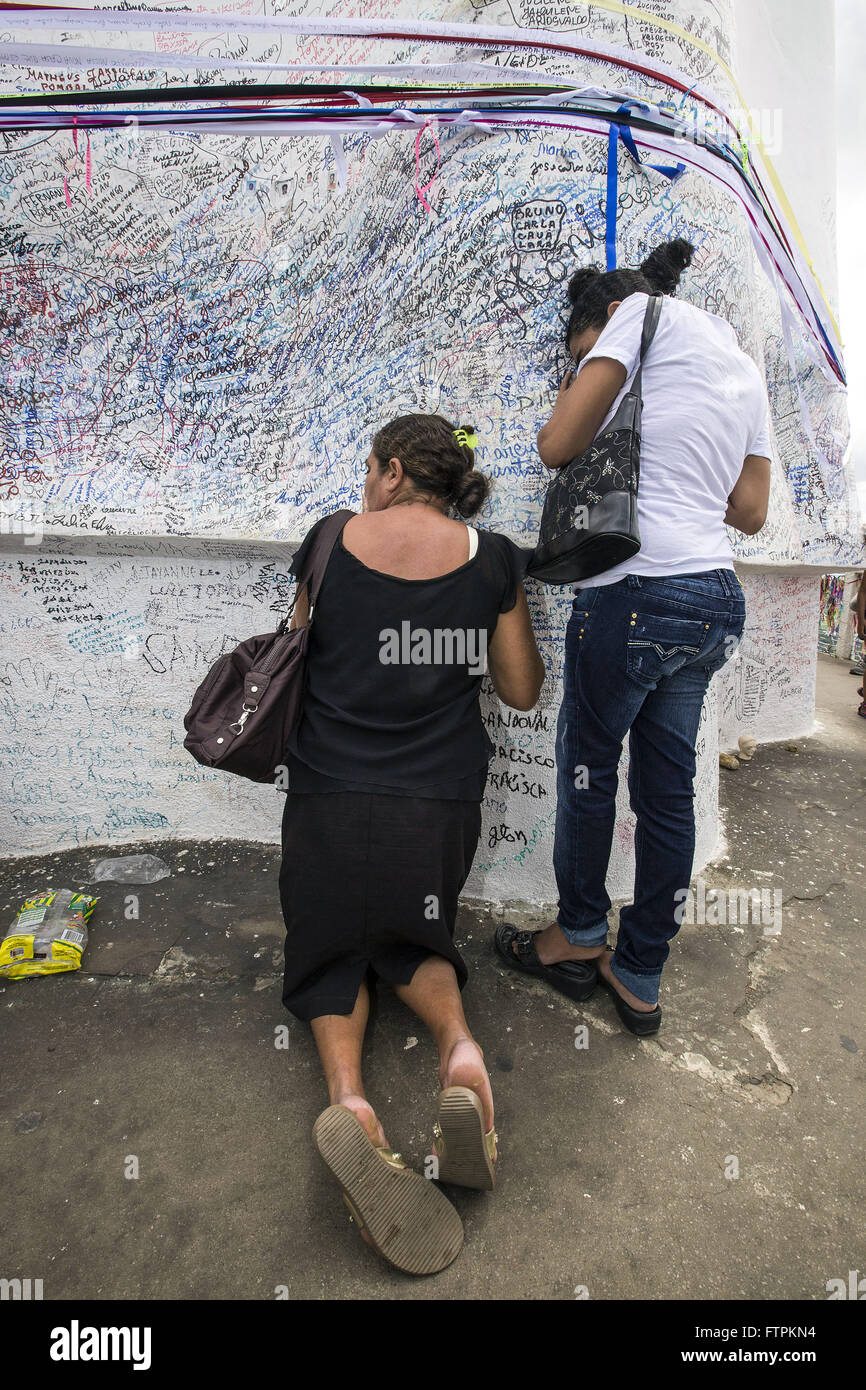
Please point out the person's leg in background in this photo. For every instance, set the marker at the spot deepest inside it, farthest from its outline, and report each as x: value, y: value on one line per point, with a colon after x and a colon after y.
x: 598, y: 706
x: 661, y: 792
x: 662, y: 764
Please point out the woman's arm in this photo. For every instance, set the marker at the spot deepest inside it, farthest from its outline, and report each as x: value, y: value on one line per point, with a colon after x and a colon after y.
x: 513, y: 658
x: 583, y: 401
x: 301, y: 610
x: 747, y: 504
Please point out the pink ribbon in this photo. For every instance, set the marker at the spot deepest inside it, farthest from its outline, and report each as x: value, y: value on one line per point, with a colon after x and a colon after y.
x: 418, y: 190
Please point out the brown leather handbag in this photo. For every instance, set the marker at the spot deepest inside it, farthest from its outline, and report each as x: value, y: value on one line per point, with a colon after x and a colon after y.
x: 251, y: 698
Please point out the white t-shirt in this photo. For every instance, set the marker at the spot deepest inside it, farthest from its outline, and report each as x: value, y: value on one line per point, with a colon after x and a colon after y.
x: 705, y: 408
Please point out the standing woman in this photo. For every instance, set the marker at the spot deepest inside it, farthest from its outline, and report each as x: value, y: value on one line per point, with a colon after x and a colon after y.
x: 387, y: 770
x: 645, y: 637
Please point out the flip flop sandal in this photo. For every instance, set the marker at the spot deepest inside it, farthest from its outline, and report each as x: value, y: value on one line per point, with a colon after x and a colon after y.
x: 407, y: 1220
x: 641, y: 1024
x: 466, y: 1154
x: 576, y: 978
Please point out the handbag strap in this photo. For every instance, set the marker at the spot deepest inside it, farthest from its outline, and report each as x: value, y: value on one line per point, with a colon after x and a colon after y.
x: 650, y: 324
x: 317, y: 562
x: 650, y: 321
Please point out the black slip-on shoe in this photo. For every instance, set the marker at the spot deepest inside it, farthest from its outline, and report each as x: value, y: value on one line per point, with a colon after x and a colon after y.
x: 576, y: 978
x: 643, y: 1025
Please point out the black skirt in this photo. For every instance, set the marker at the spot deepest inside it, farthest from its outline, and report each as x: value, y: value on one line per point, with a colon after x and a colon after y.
x: 369, y: 883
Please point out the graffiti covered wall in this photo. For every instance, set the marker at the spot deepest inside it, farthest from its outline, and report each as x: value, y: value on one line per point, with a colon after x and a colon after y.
x: 768, y: 688
x: 215, y: 327
x: 96, y: 682
x: 201, y: 331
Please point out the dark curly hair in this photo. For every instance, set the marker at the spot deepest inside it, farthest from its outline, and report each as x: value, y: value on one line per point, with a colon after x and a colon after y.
x: 433, y: 460
x: 591, y: 290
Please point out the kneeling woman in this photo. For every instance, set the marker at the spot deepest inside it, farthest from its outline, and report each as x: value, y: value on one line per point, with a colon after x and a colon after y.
x: 387, y: 770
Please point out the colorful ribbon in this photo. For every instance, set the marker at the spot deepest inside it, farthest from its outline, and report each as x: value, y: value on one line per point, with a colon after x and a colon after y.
x: 771, y: 221
x: 433, y: 126
x: 616, y: 133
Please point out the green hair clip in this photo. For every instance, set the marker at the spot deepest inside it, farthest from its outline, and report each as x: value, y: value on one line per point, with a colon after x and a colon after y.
x: 469, y: 440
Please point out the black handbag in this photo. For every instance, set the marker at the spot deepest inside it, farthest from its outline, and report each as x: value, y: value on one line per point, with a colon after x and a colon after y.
x: 589, y: 520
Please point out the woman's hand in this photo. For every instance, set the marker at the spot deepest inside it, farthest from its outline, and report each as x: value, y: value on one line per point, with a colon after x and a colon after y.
x: 565, y: 383
x: 583, y: 401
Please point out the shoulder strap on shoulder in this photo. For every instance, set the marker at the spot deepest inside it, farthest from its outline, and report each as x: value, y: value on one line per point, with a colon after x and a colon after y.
x: 320, y: 552
x: 317, y: 560
x: 650, y: 322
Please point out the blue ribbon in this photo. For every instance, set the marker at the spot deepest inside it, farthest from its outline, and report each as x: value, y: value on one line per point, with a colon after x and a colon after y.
x: 610, y: 212
x: 622, y: 131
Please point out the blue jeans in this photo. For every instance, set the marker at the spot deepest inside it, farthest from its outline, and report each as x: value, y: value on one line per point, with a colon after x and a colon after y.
x: 639, y: 655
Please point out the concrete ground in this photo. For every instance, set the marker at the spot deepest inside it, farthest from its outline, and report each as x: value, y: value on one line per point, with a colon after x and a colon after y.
x: 618, y: 1163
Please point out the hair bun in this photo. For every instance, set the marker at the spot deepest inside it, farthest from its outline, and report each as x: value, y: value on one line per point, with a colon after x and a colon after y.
x: 664, y: 266
x: 580, y: 280
x: 470, y: 492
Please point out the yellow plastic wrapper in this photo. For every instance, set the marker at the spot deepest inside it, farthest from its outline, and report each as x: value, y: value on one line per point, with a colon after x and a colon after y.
x: 48, y: 935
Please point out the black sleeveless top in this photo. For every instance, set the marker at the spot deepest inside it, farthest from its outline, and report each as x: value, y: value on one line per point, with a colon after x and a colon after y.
x: 394, y: 672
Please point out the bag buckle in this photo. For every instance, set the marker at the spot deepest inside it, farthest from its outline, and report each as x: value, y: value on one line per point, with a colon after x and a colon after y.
x: 238, y: 728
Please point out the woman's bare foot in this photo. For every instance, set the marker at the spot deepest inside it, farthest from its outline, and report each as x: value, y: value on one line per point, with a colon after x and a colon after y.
x: 552, y: 947
x: 462, y: 1064
x: 366, y: 1117
x: 631, y: 999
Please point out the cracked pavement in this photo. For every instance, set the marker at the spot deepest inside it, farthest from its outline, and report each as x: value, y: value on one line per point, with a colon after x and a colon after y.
x: 617, y: 1158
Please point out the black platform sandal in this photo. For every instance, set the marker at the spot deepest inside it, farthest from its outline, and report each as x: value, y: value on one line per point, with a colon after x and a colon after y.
x: 643, y: 1025
x: 576, y: 978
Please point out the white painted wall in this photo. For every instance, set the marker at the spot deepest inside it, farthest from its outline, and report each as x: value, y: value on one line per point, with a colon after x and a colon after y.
x: 785, y: 64
x: 102, y: 653
x: 767, y: 690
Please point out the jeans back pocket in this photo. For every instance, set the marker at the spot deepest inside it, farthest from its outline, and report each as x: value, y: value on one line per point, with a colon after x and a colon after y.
x: 716, y: 657
x: 659, y: 646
